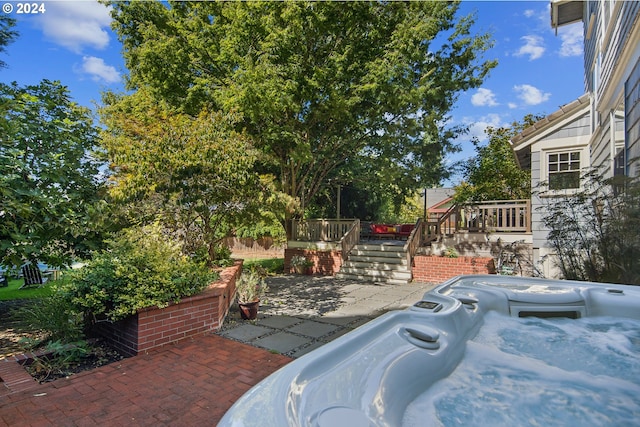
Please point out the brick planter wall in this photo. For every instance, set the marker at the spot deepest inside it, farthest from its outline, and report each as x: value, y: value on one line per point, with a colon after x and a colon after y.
x: 438, y: 269
x: 154, y: 327
x: 326, y: 263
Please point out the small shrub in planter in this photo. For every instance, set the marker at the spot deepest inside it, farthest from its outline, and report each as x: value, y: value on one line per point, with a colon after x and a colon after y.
x: 250, y: 288
x: 300, y: 264
x: 450, y: 253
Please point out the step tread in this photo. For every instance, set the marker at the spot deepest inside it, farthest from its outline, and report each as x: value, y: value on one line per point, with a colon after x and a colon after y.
x: 372, y: 279
x: 377, y: 273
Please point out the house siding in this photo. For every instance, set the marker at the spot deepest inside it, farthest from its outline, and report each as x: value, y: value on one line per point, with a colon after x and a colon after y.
x: 574, y: 129
x: 632, y: 121
x: 621, y: 24
x: 601, y: 149
x: 538, y: 230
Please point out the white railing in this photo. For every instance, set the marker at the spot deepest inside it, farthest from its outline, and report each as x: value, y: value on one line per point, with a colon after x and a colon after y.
x: 497, y: 216
x: 321, y: 230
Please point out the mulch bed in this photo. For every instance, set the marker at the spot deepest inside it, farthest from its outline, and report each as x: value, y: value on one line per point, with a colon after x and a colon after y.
x: 47, y: 368
x: 44, y: 368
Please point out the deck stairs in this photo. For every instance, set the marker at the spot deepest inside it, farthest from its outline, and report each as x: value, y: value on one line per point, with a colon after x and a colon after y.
x: 381, y: 262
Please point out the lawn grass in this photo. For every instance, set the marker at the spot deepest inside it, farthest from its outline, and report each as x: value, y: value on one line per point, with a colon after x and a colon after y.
x: 12, y: 291
x: 271, y: 265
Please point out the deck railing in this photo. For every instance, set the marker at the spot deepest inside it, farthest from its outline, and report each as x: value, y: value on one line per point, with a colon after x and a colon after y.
x: 442, y: 224
x: 497, y: 216
x: 321, y: 230
x: 493, y: 216
x: 350, y: 239
x: 414, y: 241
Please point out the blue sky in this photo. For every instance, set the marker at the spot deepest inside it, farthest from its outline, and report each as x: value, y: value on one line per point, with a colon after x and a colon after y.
x: 537, y: 72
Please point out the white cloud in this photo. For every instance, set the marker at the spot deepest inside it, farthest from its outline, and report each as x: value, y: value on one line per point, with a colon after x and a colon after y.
x: 98, y: 70
x: 484, y: 98
x: 512, y: 105
x: 529, y: 13
x: 571, y: 37
x: 533, y: 47
x: 477, y: 126
x: 76, y: 24
x: 531, y: 95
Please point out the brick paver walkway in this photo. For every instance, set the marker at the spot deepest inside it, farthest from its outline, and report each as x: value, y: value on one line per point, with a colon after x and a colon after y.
x: 192, y: 383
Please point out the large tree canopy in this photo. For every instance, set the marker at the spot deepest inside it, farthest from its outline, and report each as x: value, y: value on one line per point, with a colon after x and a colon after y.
x: 316, y: 84
x: 48, y: 180
x: 193, y: 174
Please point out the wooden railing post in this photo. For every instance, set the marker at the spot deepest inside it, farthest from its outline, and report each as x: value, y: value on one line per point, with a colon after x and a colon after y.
x: 350, y: 239
x: 414, y: 241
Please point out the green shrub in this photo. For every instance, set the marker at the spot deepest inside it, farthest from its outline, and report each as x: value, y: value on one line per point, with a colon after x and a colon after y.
x: 54, y: 315
x: 141, y: 268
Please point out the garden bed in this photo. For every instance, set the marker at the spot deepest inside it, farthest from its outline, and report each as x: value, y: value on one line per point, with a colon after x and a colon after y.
x: 155, y: 327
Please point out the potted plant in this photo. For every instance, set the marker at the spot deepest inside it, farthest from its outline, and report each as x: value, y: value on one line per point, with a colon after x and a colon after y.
x: 250, y: 287
x: 300, y: 264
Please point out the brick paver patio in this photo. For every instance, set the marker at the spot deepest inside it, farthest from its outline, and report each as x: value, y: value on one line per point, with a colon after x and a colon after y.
x: 191, y: 383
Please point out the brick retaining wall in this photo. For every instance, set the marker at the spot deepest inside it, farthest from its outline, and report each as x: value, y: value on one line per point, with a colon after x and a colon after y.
x: 154, y: 327
x: 438, y: 269
x: 326, y: 263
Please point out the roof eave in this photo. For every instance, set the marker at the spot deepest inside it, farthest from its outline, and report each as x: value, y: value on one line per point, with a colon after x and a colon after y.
x: 565, y: 12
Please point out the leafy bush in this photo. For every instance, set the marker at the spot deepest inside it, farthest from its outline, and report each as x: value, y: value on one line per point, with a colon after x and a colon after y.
x: 595, y: 232
x: 141, y: 268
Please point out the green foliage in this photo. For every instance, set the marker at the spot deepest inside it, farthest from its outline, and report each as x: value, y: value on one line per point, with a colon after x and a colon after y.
x: 318, y: 85
x: 595, y: 231
x: 141, y: 268
x: 7, y: 34
x: 49, y: 192
x: 55, y: 315
x: 450, y: 253
x: 268, y: 226
x: 269, y: 265
x: 194, y: 175
x: 62, y: 356
x: 494, y: 174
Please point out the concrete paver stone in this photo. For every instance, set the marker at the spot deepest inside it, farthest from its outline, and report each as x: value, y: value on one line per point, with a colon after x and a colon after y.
x: 247, y: 332
x: 279, y: 321
x: 282, y: 342
x: 312, y: 329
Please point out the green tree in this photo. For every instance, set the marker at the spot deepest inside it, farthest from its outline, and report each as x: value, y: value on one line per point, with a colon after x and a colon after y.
x: 494, y: 174
x: 49, y: 183
x: 194, y: 174
x: 7, y: 34
x: 316, y: 83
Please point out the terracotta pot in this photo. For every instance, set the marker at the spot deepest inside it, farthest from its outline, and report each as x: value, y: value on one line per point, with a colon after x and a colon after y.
x: 249, y: 310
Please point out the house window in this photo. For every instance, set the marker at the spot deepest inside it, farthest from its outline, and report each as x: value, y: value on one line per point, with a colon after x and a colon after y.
x: 564, y: 170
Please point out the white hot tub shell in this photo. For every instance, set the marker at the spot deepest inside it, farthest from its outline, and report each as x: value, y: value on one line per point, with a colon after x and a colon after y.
x: 369, y: 376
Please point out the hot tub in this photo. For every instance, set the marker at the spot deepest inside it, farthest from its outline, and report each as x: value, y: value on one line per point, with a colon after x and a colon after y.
x: 476, y: 350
